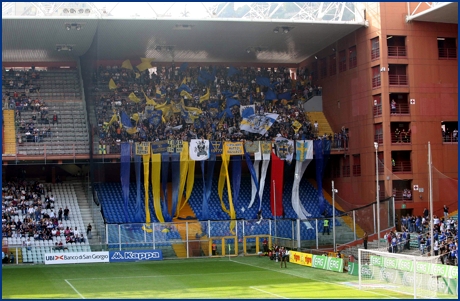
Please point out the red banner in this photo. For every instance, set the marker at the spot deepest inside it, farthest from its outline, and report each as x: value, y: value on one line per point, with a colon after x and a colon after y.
x: 276, y: 187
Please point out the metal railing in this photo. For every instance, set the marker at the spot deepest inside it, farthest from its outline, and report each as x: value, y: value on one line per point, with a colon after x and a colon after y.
x: 447, y: 53
x: 450, y: 138
x: 397, y: 51
x: 377, y: 110
x: 401, y: 108
x: 402, y: 166
x: 356, y: 170
x: 375, y: 54
x: 378, y: 138
x: 401, y: 138
x: 398, y: 80
x: 400, y: 195
x: 376, y: 82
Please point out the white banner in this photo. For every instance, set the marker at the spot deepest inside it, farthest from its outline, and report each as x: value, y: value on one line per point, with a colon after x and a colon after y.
x: 299, y: 209
x: 199, y: 149
x: 80, y: 257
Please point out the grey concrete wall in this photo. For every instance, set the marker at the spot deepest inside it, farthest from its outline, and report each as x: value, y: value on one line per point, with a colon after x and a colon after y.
x: 314, y: 105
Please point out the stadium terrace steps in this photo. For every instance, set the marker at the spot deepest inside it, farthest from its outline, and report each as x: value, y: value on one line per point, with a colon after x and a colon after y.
x: 180, y: 250
x: 346, y: 219
x: 323, y: 124
x: 9, y: 140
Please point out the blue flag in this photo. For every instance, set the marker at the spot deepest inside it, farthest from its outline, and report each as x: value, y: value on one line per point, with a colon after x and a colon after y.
x: 125, y: 120
x: 183, y: 66
x: 232, y: 102
x: 286, y: 95
x: 270, y: 95
x: 185, y: 88
x: 263, y: 81
x: 232, y: 71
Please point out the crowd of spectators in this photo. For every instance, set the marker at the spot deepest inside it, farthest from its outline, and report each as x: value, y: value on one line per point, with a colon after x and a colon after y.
x: 163, y: 86
x: 28, y: 211
x: 444, y: 236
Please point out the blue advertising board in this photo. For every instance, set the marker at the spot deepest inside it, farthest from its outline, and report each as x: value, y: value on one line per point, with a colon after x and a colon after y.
x: 138, y: 255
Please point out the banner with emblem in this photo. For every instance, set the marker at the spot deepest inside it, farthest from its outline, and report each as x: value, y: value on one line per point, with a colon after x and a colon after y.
x: 155, y: 117
x: 304, y: 156
x: 175, y: 146
x: 199, y: 149
x: 258, y: 124
x: 216, y: 147
x: 284, y: 149
x: 159, y: 147
x: 234, y: 148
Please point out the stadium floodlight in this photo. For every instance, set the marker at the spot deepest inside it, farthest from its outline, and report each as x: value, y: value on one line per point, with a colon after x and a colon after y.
x: 407, y: 274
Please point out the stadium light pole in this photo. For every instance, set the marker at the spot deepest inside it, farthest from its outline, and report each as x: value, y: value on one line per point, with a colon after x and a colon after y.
x: 334, y: 191
x: 376, y: 146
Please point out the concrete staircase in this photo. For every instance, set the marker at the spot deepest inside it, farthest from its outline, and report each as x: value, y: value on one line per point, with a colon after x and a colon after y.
x: 9, y: 139
x: 85, y: 210
x: 323, y: 124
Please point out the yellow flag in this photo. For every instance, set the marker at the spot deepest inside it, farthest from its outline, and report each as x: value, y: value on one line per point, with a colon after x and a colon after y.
x: 146, y: 60
x: 112, y: 84
x: 133, y: 97
x: 205, y: 97
x: 146, y: 161
x: 127, y: 65
x: 296, y: 126
x: 138, y: 75
x: 149, y: 101
x: 186, y: 94
x: 135, y: 117
x: 144, y: 66
x: 132, y: 130
x: 184, y: 81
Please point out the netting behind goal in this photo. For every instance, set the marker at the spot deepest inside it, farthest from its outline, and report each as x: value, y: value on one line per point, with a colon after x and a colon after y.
x: 419, y: 276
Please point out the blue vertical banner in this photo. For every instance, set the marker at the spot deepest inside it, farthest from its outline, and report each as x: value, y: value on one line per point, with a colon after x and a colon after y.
x: 207, y: 172
x: 318, y: 149
x: 164, y: 183
x: 175, y: 170
x: 138, y: 211
x: 125, y: 160
x: 236, y: 181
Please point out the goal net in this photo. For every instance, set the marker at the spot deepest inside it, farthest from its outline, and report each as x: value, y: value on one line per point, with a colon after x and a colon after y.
x: 422, y: 277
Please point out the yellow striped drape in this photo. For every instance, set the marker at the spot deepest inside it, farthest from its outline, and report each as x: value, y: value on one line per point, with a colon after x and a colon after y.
x: 146, y: 161
x: 156, y: 180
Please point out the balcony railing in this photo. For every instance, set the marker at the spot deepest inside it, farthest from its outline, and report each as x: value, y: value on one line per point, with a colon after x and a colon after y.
x: 450, y: 138
x: 345, y: 171
x: 375, y: 54
x: 403, y: 195
x: 376, y: 82
x: 402, y: 138
x: 381, y: 167
x: 378, y: 138
x: 397, y: 51
x: 398, y: 80
x: 402, y: 166
x: 401, y: 109
x: 378, y: 110
x: 335, y: 172
x: 356, y: 170
x: 447, y: 53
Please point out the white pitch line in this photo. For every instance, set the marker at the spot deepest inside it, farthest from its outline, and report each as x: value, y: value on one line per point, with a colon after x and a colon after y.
x: 74, y: 289
x: 282, y: 271
x: 260, y: 290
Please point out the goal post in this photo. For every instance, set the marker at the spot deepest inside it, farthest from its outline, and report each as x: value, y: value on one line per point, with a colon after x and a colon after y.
x: 414, y: 275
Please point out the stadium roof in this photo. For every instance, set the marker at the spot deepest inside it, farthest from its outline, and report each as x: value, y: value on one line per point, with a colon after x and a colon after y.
x: 439, y: 12
x: 219, y: 32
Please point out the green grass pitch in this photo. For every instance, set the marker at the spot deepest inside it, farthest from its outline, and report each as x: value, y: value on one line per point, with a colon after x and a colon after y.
x: 213, y: 278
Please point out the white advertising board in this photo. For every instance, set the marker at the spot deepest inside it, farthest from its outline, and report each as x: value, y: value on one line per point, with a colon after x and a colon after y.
x: 80, y: 257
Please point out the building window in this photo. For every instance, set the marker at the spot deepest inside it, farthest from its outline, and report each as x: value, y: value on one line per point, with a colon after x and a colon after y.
x: 346, y: 166
x: 342, y: 61
x: 332, y: 65
x: 352, y: 58
x: 397, y: 75
x: 396, y: 46
x: 356, y: 165
x: 447, y: 48
x: 375, y: 49
x: 376, y: 83
x: 449, y: 131
x: 378, y: 130
x: 323, y: 67
x: 377, y: 102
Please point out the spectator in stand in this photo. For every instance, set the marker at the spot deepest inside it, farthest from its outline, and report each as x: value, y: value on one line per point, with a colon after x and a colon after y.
x: 446, y: 212
x: 66, y: 213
